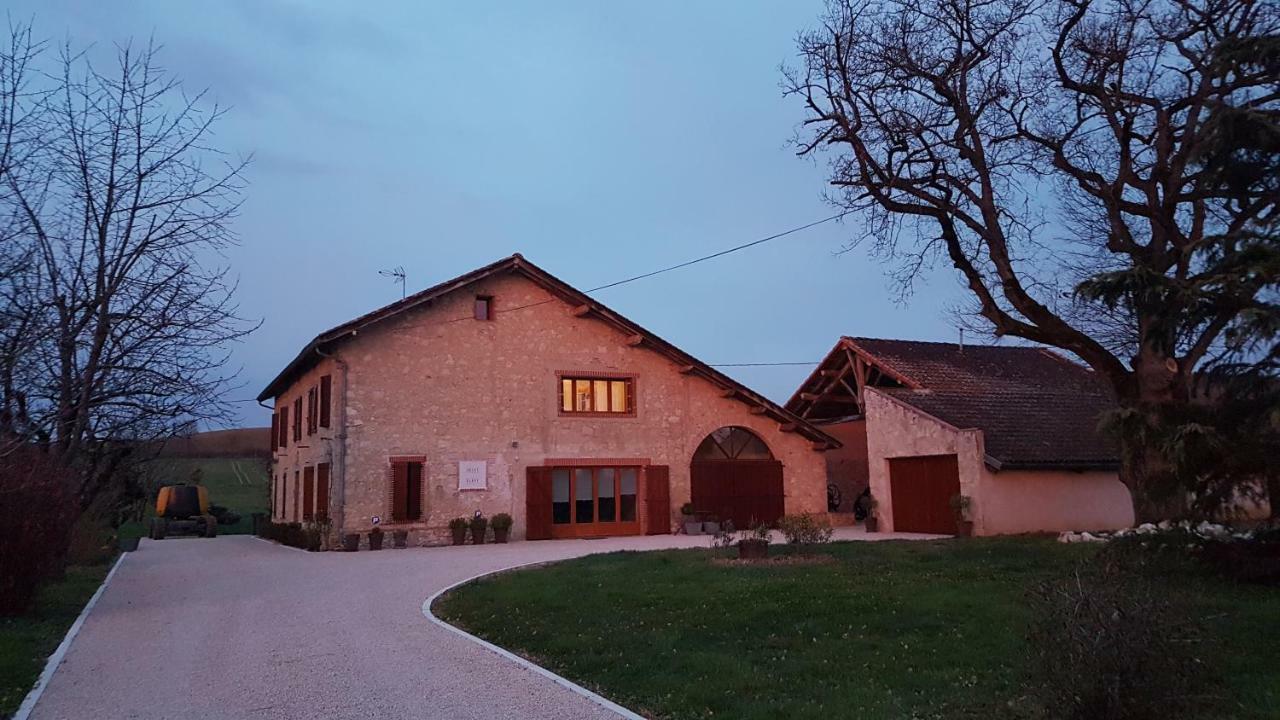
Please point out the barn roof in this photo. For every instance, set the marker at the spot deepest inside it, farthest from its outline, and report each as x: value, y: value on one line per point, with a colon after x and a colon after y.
x: 584, y: 307
x: 1036, y: 408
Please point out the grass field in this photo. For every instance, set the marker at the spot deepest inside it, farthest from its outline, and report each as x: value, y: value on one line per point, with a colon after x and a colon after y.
x: 240, y: 484
x: 881, y: 630
x: 26, y: 641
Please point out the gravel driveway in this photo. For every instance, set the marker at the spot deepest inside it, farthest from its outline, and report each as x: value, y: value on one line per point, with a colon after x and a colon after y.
x: 237, y: 627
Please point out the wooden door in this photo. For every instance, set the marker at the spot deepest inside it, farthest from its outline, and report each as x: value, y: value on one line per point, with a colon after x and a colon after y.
x: 744, y: 491
x: 537, y: 506
x: 657, y: 500
x: 921, y: 490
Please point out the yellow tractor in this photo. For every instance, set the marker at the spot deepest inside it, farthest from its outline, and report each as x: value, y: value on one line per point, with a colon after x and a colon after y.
x: 183, y: 510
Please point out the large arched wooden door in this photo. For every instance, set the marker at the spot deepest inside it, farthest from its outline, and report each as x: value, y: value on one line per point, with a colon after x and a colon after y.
x: 733, y: 476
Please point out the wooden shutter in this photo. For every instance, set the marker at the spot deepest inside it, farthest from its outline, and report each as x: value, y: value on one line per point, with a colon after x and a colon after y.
x: 322, y: 491
x: 326, y: 397
x: 657, y: 498
x: 275, y: 431
x: 537, y: 493
x: 297, y: 495
x: 413, y: 492
x: 399, y: 491
x: 308, y: 493
x: 297, y: 419
x: 284, y: 426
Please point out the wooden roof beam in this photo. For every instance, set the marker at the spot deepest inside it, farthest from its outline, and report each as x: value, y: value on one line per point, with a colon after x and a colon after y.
x: 582, y: 310
x: 635, y: 340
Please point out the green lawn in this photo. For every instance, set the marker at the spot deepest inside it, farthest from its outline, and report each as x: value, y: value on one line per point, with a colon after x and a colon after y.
x: 240, y: 484
x: 25, y: 642
x: 884, y: 630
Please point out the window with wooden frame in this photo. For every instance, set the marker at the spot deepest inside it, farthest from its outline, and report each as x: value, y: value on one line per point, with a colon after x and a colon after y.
x: 406, y: 489
x: 313, y: 410
x: 326, y: 398
x: 597, y: 395
x: 322, y: 491
x: 591, y: 495
x: 483, y: 307
x: 284, y: 426
x: 308, y: 493
x: 297, y: 419
x: 275, y: 432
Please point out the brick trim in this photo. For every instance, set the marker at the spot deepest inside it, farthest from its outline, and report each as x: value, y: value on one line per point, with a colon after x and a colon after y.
x: 595, y: 462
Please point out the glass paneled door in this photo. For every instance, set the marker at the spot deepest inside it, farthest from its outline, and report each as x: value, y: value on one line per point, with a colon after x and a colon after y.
x: 595, y: 501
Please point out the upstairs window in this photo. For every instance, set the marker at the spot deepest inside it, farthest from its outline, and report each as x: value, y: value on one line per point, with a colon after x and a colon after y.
x: 484, y: 307
x: 597, y: 396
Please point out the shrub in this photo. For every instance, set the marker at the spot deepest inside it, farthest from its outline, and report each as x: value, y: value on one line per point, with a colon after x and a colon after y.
x: 308, y: 537
x: 37, y: 510
x: 479, y: 524
x: 459, y: 523
x: 804, y: 529
x: 223, y: 515
x: 501, y: 521
x: 1107, y: 643
x: 687, y: 509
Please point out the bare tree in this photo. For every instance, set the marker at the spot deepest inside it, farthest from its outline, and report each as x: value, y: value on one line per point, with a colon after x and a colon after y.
x: 1051, y: 151
x: 119, y: 207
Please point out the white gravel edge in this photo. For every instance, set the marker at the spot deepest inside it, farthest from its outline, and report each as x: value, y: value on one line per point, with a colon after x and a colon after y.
x: 51, y: 665
x: 557, y: 679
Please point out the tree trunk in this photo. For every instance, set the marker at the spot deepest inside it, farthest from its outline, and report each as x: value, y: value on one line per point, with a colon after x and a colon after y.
x: 1154, y: 386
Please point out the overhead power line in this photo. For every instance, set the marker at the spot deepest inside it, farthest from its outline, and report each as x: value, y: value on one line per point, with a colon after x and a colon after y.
x: 722, y: 253
x: 762, y: 364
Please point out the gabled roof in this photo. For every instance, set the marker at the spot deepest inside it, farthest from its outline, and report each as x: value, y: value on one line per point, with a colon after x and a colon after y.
x: 584, y: 307
x: 1036, y: 408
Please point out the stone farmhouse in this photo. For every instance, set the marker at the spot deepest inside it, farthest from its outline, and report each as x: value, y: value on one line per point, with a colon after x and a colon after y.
x: 507, y: 390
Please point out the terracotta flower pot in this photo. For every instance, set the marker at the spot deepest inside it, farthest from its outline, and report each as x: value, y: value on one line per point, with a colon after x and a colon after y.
x: 459, y: 535
x: 873, y: 524
x: 753, y: 549
x: 351, y: 542
x: 400, y: 538
x: 375, y: 540
x: 500, y: 534
x: 964, y: 528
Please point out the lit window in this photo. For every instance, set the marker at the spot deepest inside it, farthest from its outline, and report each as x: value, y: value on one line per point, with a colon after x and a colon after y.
x: 597, y: 396
x: 484, y: 307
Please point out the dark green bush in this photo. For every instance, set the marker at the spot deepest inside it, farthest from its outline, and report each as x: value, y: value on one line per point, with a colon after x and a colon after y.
x: 307, y: 537
x: 1108, y: 643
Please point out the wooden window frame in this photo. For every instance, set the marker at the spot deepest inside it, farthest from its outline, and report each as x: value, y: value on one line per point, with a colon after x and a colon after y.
x: 284, y: 427
x: 396, y: 516
x: 598, y: 528
x: 326, y: 400
x: 632, y: 389
x: 297, y: 419
x: 482, y: 307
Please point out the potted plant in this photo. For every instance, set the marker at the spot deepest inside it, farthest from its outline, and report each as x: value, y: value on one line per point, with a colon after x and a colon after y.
x: 960, y: 505
x: 873, y: 516
x: 479, y: 524
x: 710, y: 525
x: 351, y: 542
x: 501, y: 527
x: 754, y: 544
x: 399, y: 538
x: 692, y: 526
x: 458, y: 527
x: 375, y: 539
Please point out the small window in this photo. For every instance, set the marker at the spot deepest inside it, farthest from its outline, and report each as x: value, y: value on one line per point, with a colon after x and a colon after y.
x: 597, y: 396
x: 484, y: 307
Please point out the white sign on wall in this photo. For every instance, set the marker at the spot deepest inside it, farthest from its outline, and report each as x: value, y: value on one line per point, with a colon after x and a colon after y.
x: 472, y: 475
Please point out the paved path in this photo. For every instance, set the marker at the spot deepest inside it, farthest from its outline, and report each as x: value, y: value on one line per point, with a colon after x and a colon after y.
x: 237, y: 627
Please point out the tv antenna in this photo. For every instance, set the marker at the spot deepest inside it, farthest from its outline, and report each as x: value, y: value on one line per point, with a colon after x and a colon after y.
x: 397, y: 275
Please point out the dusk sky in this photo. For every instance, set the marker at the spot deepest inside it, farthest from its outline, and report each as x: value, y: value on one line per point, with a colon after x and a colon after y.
x: 600, y: 141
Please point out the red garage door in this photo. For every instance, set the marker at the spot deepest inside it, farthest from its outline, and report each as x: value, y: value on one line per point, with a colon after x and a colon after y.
x: 922, y: 488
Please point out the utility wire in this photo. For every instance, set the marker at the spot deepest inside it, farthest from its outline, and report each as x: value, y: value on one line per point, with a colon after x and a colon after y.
x: 712, y: 256
x: 762, y: 364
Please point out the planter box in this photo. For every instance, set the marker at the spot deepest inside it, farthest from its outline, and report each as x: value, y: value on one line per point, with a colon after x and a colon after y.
x: 710, y: 528
x: 459, y: 536
x: 692, y: 527
x: 400, y: 538
x: 964, y: 528
x: 351, y: 542
x: 375, y: 540
x: 753, y: 549
x: 500, y: 534
x: 873, y: 524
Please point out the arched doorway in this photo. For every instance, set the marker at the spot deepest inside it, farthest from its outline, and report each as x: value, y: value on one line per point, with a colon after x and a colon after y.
x: 733, y: 476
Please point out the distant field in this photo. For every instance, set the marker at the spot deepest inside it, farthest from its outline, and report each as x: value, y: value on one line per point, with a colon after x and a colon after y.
x: 240, y: 484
